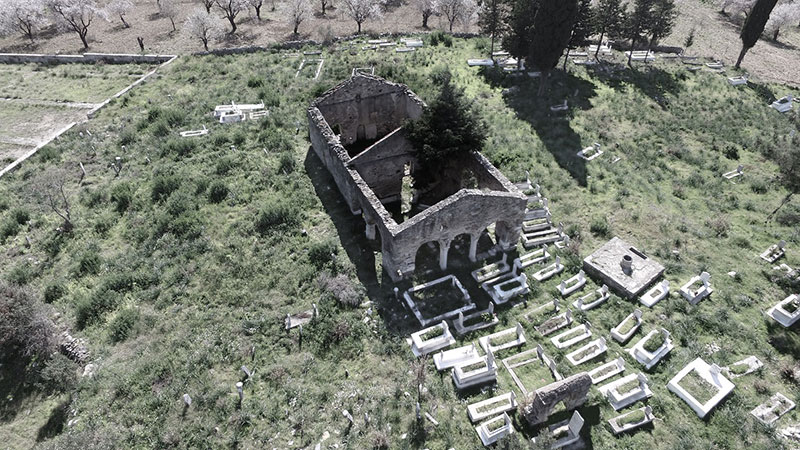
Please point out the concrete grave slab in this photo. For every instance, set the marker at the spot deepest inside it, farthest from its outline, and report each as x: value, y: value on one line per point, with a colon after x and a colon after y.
x: 625, y: 269
x: 718, y: 387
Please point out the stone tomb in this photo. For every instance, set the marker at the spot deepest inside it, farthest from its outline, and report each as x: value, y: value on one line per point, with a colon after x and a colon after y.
x: 593, y: 299
x: 738, y: 172
x: 505, y: 290
x: 535, y: 257
x: 626, y: 391
x: 702, y: 283
x: 542, y: 363
x: 195, y: 133
x: 571, y: 285
x: 492, y: 406
x: 495, y: 429
x: 493, y: 270
x: 588, y: 352
x: 775, y: 408
x: 571, y: 391
x: 412, y: 300
x: 567, y: 432
x: 712, y: 388
x: 474, y: 372
x: 508, y: 338
x: 607, y: 370
x: 450, y: 358
x: 431, y: 339
x: 590, y: 153
x: 783, y: 104
x: 549, y: 271
x: 774, y: 252
x: 627, y: 421
x: 655, y: 294
x: 475, y: 321
x: 787, y: 311
x: 651, y: 358
x: 623, y: 268
x: 737, y: 81
x: 572, y: 336
x: 743, y: 367
x: 628, y: 327
x: 555, y: 323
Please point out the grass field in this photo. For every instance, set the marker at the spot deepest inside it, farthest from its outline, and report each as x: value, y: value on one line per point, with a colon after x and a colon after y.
x: 182, y: 269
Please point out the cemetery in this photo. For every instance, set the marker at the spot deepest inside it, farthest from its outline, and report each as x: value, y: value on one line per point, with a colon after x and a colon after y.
x: 498, y: 306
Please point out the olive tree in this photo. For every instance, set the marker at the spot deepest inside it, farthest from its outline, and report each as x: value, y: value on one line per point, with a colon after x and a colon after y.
x: 202, y: 25
x: 77, y: 15
x: 22, y: 16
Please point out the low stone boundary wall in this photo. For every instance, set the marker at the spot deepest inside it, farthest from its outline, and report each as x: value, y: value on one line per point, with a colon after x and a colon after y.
x: 86, y: 58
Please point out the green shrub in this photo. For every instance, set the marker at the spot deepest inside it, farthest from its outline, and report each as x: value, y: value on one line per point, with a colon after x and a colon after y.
x: 160, y: 128
x: 286, y: 164
x: 321, y: 253
x: 179, y: 147
x: 53, y: 292
x: 60, y: 374
x: 759, y: 186
x: 121, y: 328
x: 8, y: 228
x: 600, y: 227
x: 91, y: 308
x: 122, y: 196
x: 255, y: 82
x: 163, y: 186
x: 276, y: 213
x: 22, y: 274
x: 440, y: 37
x: 225, y: 164
x: 217, y: 191
x: 127, y: 137
x: 20, y: 215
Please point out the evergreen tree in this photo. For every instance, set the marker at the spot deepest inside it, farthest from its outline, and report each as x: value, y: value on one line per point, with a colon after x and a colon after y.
x: 492, y: 19
x: 754, y: 26
x: 552, y: 28
x: 638, y: 22
x: 449, y: 128
x: 517, y: 39
x: 662, y: 20
x: 583, y: 28
x: 609, y: 18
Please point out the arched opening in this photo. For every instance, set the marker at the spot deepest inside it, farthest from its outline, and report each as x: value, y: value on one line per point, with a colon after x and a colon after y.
x: 427, y: 258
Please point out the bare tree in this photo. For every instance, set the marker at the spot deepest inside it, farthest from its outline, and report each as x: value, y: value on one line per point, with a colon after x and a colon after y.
x: 297, y: 11
x: 77, y: 15
x: 201, y: 25
x: 120, y: 8
x: 207, y: 4
x: 256, y: 5
x: 231, y: 9
x: 168, y: 9
x: 783, y: 15
x: 24, y: 16
x: 51, y: 192
x: 362, y: 10
x: 427, y: 8
x: 325, y: 4
x: 456, y: 10
x: 735, y: 7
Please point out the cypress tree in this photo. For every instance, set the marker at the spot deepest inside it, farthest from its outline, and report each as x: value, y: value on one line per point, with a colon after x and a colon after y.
x: 552, y: 28
x: 754, y: 26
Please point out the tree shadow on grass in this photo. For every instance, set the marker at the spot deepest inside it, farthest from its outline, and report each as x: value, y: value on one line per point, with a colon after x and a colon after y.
x: 554, y: 128
x: 359, y: 249
x: 55, y: 423
x: 762, y: 91
x: 14, y: 388
x: 652, y: 81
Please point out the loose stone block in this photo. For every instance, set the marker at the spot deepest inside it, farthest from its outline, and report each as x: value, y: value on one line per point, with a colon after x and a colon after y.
x: 774, y: 253
x: 769, y: 412
x: 625, y: 269
x: 743, y: 367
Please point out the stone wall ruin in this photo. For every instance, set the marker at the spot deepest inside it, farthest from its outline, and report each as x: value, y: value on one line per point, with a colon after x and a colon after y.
x: 367, y: 108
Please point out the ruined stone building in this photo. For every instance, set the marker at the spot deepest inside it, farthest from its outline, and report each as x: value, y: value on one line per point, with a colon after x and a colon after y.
x: 356, y: 130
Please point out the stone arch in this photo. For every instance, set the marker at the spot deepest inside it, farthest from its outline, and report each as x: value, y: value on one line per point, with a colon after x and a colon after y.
x: 427, y: 256
x: 571, y: 391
